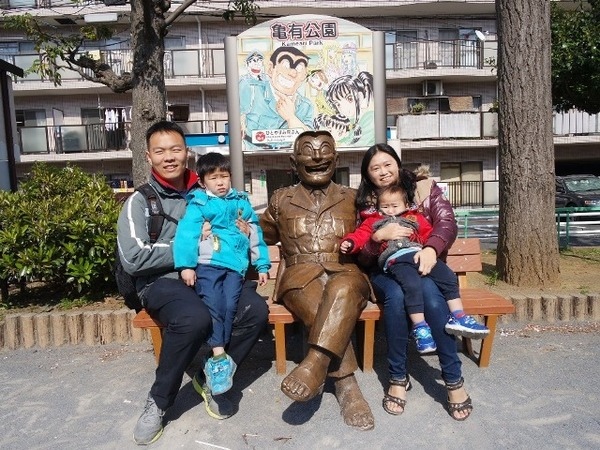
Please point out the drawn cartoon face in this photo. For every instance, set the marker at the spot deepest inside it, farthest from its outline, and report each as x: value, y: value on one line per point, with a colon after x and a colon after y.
x: 348, y: 58
x: 317, y: 80
x: 346, y: 106
x: 254, y: 63
x: 288, y: 73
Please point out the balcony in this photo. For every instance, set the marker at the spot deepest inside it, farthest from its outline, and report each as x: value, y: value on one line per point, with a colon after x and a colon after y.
x: 178, y: 63
x: 42, y: 4
x: 484, y: 125
x: 36, y: 141
x: 450, y: 54
x: 69, y: 139
x: 210, y: 62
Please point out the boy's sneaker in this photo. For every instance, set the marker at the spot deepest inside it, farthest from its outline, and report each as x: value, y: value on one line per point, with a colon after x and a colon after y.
x: 424, y: 339
x: 216, y: 406
x: 219, y: 372
x: 149, y: 426
x: 466, y: 326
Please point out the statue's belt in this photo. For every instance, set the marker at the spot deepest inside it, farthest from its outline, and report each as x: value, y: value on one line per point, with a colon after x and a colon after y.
x: 317, y: 258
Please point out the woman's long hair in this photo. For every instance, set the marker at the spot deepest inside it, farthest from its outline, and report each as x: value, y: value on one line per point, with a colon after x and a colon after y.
x: 366, y: 196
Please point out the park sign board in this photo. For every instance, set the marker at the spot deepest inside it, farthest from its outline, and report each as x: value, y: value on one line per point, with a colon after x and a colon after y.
x: 305, y: 72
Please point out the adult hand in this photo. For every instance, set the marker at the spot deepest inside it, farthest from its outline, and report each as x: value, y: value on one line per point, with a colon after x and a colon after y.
x: 426, y: 259
x: 390, y: 232
x: 206, y: 229
x: 243, y: 226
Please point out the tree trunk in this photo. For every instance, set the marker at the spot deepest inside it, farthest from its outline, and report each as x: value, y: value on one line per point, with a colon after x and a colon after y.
x: 149, y: 92
x: 527, y: 240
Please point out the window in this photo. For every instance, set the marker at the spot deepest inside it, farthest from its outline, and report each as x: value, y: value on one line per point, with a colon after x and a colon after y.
x: 464, y: 180
x: 248, y: 182
x: 401, y: 49
x: 30, y: 117
x: 179, y: 113
x: 91, y: 115
x: 342, y: 176
x: 31, y: 125
x: 174, y: 42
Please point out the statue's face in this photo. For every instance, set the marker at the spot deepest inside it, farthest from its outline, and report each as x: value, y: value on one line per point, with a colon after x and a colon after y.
x: 315, y: 159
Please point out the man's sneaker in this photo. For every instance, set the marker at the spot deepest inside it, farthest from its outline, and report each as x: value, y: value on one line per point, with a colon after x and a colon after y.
x: 466, y: 326
x: 149, y: 426
x: 219, y: 372
x: 424, y: 339
x: 217, y: 406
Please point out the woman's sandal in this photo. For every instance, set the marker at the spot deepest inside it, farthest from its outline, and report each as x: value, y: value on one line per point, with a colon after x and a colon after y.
x: 387, y: 398
x: 466, y: 406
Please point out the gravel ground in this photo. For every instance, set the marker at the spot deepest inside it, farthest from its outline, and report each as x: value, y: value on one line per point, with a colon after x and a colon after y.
x: 540, y: 391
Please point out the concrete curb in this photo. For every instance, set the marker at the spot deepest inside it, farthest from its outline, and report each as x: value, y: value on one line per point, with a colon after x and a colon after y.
x: 53, y: 329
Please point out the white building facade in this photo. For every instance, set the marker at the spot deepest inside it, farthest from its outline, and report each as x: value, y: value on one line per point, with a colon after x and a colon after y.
x: 440, y: 94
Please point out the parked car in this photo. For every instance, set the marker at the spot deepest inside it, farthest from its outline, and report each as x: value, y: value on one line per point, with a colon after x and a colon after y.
x: 577, y: 190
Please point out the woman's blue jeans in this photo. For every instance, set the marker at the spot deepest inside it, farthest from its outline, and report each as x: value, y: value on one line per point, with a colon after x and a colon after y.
x: 398, y: 325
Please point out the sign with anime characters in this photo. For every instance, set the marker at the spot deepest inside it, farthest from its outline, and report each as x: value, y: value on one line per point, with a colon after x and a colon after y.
x: 306, y: 72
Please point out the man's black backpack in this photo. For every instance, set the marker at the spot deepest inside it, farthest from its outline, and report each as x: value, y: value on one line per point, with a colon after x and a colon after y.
x: 125, y: 281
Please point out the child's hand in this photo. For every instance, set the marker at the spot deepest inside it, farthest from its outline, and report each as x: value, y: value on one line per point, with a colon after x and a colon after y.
x: 262, y: 279
x: 346, y: 246
x: 189, y: 277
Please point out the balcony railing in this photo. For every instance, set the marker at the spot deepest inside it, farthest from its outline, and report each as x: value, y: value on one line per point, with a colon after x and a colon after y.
x: 484, y: 125
x: 432, y: 126
x: 203, y: 63
x: 93, y: 137
x: 472, y: 194
x: 458, y: 53
x: 41, y: 4
x: 210, y: 62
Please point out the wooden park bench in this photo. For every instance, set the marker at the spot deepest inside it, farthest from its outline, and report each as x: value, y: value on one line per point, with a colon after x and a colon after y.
x: 464, y: 256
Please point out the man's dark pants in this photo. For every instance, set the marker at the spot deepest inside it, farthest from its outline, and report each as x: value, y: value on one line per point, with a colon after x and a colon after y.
x: 187, y: 326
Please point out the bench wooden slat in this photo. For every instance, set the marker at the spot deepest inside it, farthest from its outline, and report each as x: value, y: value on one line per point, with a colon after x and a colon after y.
x: 464, y: 257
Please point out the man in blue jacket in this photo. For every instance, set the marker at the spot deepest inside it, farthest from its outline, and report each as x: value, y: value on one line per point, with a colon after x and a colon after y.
x: 186, y: 319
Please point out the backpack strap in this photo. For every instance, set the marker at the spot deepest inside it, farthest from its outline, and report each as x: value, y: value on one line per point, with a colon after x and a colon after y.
x: 157, y: 215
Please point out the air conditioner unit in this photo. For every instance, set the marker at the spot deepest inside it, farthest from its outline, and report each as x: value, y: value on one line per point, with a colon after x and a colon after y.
x: 432, y: 87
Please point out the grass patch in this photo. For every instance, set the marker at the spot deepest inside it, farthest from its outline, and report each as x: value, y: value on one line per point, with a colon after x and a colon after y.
x: 590, y: 254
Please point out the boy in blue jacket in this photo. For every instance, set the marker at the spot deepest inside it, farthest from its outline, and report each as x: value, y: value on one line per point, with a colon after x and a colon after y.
x: 216, y: 266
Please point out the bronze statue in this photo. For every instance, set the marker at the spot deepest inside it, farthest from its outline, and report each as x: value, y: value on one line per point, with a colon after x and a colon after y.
x: 322, y: 287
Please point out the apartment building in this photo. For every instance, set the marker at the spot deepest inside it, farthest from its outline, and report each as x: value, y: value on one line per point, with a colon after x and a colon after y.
x: 440, y: 93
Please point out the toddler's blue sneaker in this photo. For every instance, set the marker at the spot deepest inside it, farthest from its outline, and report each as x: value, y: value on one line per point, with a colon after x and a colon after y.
x: 424, y: 339
x: 466, y: 326
x: 219, y: 372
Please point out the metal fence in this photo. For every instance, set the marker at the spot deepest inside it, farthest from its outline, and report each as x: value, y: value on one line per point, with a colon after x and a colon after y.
x: 574, y: 226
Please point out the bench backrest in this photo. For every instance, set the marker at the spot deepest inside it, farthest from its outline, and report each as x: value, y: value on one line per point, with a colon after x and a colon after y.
x: 463, y: 257
x: 275, y: 257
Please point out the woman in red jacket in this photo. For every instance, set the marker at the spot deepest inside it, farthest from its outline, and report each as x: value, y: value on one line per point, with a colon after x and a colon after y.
x: 381, y: 167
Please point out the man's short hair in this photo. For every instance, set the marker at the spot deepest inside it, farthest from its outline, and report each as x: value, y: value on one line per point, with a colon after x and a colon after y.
x: 293, y: 50
x: 163, y: 126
